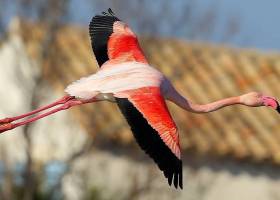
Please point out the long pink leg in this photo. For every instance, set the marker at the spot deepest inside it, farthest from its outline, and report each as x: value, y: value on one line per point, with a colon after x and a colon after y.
x: 68, y: 104
x: 63, y: 100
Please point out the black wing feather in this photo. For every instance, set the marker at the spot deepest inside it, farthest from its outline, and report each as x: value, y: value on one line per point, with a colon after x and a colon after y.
x: 151, y: 143
x: 100, y: 29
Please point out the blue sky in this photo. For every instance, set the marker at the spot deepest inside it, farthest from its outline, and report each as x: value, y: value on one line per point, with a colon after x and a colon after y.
x: 257, y: 20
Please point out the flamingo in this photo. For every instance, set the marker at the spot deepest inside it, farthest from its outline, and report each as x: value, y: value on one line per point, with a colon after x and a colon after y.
x: 139, y: 90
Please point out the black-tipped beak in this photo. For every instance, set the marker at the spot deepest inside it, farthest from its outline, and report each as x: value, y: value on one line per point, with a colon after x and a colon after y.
x: 278, y: 107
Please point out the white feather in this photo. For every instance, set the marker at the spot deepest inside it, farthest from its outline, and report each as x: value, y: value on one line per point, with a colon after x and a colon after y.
x: 112, y: 79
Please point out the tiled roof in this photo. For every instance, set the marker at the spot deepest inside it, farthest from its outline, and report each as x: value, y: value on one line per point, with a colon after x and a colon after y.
x: 201, y: 72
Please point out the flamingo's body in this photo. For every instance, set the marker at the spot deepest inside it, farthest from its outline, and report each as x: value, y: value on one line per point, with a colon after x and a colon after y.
x: 125, y: 77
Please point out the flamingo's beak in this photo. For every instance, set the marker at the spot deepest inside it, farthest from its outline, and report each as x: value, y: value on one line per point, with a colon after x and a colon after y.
x: 271, y: 102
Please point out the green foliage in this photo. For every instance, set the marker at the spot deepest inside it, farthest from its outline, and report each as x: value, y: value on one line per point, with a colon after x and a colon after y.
x: 98, y: 193
x: 94, y: 193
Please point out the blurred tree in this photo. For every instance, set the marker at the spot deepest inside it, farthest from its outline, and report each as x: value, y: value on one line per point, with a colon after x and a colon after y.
x: 171, y: 18
x: 40, y: 11
x: 184, y: 19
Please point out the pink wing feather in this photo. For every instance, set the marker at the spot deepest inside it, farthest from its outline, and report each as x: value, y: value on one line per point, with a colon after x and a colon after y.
x: 149, y: 101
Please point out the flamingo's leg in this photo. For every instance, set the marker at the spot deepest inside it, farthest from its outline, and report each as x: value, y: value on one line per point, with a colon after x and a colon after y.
x: 63, y: 100
x: 68, y: 104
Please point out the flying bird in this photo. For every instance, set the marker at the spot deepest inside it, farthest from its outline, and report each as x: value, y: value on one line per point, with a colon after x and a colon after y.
x: 126, y: 78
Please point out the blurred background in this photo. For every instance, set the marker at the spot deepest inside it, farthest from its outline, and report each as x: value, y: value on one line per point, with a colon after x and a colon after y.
x: 210, y: 49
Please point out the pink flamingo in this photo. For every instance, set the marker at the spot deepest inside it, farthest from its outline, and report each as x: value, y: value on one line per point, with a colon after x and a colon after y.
x: 126, y: 78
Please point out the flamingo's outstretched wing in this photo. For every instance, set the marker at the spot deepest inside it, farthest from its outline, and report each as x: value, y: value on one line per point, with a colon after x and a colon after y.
x: 150, y: 135
x: 154, y: 129
x: 100, y: 29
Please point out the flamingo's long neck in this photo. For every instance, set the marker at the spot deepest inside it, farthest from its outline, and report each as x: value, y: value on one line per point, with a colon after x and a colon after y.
x: 251, y: 99
x: 202, y: 108
x: 216, y: 105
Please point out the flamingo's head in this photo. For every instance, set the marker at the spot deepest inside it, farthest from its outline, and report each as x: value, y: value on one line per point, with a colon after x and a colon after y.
x: 122, y: 28
x: 256, y: 99
x: 271, y: 102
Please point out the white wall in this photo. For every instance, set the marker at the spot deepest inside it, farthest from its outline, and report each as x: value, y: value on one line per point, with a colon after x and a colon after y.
x: 55, y: 137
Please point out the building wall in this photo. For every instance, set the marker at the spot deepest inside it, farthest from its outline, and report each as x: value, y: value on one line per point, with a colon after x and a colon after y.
x: 118, y: 176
